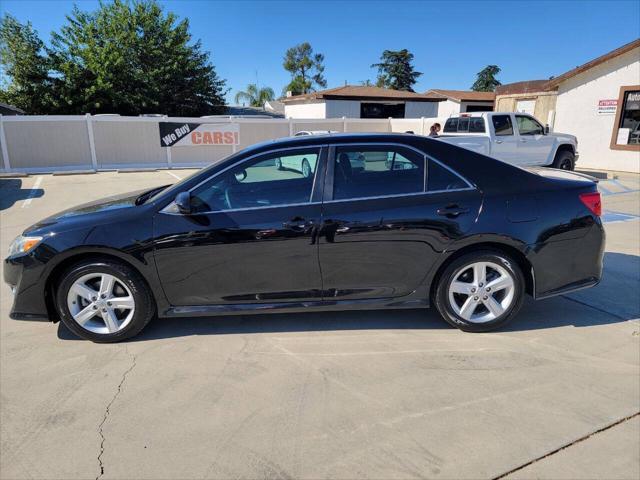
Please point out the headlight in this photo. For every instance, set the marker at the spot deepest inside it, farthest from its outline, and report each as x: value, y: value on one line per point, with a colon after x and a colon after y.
x: 23, y: 245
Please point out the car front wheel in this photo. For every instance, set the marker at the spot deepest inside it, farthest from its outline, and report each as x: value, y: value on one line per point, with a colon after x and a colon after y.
x: 564, y: 160
x: 104, y: 301
x: 480, y: 291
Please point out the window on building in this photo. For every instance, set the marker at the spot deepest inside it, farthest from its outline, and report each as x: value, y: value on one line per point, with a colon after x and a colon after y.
x: 626, y: 132
x: 381, y: 110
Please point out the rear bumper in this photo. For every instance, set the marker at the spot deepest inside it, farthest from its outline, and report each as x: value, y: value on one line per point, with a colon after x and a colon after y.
x: 564, y: 266
x: 24, y: 275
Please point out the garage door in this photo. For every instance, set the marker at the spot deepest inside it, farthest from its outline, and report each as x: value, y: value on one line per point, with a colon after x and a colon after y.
x: 526, y: 106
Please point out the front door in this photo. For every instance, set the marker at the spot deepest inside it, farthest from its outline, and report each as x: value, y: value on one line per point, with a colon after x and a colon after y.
x: 381, y: 231
x: 534, y: 146
x: 250, y: 237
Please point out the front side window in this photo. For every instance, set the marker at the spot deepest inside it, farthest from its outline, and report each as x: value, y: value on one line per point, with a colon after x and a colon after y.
x: 361, y: 172
x: 272, y: 179
x: 528, y: 126
x: 502, y: 125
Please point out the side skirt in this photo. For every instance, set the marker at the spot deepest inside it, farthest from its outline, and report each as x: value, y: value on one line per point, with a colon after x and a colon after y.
x: 292, y: 307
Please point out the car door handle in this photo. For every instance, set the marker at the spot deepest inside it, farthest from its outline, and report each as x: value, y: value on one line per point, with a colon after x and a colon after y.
x: 498, y: 141
x: 452, y: 211
x: 523, y: 140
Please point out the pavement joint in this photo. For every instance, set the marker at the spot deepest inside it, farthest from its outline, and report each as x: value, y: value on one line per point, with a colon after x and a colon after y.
x: 564, y: 447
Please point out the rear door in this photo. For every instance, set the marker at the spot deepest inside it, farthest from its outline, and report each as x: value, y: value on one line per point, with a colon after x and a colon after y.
x: 505, y: 144
x: 534, y: 146
x: 384, y: 225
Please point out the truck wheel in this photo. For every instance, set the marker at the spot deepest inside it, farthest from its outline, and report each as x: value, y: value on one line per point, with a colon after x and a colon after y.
x: 565, y: 160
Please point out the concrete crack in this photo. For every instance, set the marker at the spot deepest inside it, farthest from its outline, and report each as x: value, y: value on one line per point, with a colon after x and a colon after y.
x: 553, y: 452
x: 107, y: 411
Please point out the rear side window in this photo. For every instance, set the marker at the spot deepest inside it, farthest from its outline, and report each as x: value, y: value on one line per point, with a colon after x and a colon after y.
x: 439, y: 178
x: 464, y: 125
x: 451, y: 125
x: 502, y: 125
x: 361, y: 172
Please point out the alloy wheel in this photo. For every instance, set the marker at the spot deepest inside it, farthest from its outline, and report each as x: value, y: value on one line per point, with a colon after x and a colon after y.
x: 101, y: 303
x: 481, y: 292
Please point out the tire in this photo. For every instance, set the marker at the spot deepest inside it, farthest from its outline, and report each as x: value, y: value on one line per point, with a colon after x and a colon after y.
x: 482, y: 300
x: 278, y: 164
x: 565, y: 160
x: 125, y: 287
x: 306, y: 168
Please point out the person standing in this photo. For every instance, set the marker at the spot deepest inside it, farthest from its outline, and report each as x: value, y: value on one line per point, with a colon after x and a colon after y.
x: 434, y: 130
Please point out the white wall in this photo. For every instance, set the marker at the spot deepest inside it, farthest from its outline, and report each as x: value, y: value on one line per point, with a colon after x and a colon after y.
x: 576, y: 112
x: 447, y: 108
x: 313, y: 109
x: 343, y: 108
x: 420, y: 109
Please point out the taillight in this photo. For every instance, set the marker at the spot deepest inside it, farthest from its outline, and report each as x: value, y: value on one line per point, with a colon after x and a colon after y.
x: 593, y: 202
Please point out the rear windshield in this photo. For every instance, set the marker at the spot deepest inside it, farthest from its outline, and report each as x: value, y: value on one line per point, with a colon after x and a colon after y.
x: 464, y: 125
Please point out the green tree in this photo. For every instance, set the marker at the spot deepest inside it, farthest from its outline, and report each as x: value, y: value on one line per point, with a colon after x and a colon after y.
x: 25, y: 61
x: 306, y: 69
x: 127, y: 57
x: 486, y: 80
x: 396, y: 71
x: 255, y: 96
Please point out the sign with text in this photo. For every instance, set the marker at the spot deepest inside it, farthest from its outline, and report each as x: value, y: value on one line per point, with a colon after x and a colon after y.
x: 607, y: 107
x: 174, y: 134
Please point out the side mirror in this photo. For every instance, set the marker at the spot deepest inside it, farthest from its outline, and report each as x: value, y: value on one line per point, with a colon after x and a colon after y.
x: 546, y: 129
x: 183, y: 202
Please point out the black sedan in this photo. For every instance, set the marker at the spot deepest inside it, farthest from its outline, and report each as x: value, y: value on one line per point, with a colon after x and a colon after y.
x: 382, y: 221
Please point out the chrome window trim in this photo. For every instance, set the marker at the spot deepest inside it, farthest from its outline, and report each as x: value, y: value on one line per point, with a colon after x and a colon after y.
x: 167, y: 208
x: 397, y: 195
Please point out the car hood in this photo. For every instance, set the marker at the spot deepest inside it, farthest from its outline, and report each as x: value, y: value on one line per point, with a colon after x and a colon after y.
x: 89, y: 213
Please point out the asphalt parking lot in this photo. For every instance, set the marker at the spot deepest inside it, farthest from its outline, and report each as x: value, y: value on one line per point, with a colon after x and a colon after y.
x: 327, y: 395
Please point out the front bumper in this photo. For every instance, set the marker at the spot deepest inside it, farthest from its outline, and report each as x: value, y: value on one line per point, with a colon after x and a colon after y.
x: 25, y: 276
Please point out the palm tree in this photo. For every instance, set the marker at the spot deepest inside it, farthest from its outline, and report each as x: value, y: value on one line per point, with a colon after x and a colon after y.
x: 255, y: 96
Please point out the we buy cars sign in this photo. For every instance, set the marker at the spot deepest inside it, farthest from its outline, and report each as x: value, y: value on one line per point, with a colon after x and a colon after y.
x: 174, y: 134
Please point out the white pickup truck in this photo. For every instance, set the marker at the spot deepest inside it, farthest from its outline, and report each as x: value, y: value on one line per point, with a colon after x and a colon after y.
x: 515, y: 138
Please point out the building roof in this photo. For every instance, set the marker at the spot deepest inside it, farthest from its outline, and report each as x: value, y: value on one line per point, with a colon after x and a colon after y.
x: 594, y: 63
x: 460, y: 95
x: 361, y: 92
x: 6, y: 109
x: 528, y: 86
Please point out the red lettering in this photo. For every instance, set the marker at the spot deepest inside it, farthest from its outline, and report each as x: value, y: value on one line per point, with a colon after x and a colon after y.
x: 228, y: 138
x: 206, y: 138
x: 217, y: 137
x: 195, y: 138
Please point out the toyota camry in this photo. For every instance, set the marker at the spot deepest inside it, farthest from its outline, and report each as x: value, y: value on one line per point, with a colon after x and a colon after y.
x: 453, y: 229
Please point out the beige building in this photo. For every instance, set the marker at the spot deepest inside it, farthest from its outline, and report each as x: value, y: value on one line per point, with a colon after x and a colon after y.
x: 534, y: 97
x: 460, y: 101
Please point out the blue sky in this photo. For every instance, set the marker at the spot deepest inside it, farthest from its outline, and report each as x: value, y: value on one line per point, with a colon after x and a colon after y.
x: 451, y: 41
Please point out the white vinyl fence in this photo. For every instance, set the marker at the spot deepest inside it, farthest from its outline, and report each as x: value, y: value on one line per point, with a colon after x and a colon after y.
x: 83, y: 142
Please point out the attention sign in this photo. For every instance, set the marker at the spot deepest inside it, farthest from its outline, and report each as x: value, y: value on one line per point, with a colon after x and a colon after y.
x: 198, y: 134
x: 607, y: 107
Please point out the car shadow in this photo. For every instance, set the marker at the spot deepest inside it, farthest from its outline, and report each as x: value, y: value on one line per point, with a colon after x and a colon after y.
x: 11, y: 192
x: 600, y: 307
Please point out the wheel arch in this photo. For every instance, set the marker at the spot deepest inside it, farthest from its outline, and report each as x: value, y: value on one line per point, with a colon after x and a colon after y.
x: 564, y: 147
x: 511, y: 251
x: 78, y: 256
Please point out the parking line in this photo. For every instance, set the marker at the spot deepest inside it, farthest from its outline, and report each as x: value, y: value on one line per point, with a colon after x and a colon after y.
x: 32, y: 192
x: 173, y: 174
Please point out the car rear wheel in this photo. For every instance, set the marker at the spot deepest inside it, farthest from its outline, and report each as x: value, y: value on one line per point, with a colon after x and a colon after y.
x: 564, y: 160
x: 104, y: 301
x: 480, y: 291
